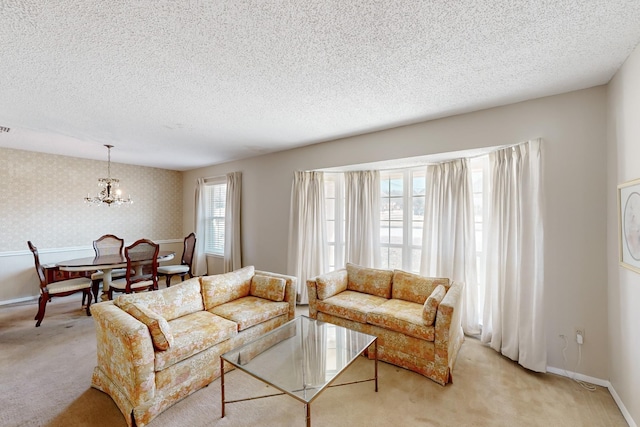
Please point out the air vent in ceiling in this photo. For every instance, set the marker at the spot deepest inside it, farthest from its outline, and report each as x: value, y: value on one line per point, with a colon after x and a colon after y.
x: 4, y: 129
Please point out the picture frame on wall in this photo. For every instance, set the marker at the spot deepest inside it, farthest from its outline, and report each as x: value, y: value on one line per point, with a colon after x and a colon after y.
x: 629, y: 224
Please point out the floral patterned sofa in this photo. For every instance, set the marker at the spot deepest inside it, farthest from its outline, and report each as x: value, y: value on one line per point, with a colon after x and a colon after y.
x: 416, y: 318
x: 155, y: 348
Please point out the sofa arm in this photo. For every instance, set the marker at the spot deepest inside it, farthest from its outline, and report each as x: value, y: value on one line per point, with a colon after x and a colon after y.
x: 312, y: 294
x: 125, y: 352
x: 448, y: 327
x: 290, y: 290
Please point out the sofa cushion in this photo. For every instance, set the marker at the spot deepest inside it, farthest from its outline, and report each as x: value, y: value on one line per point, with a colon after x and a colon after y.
x: 267, y: 287
x: 402, y: 316
x: 330, y: 284
x: 159, y: 328
x: 250, y: 311
x: 414, y: 287
x: 221, y: 288
x: 192, y: 334
x: 369, y: 280
x: 430, y: 308
x: 177, y: 301
x: 351, y: 305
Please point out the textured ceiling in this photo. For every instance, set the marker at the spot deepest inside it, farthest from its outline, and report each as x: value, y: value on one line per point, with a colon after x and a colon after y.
x: 184, y: 84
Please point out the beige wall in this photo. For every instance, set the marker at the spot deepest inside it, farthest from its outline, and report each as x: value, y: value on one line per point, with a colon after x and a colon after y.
x: 41, y: 199
x: 573, y: 127
x: 624, y: 285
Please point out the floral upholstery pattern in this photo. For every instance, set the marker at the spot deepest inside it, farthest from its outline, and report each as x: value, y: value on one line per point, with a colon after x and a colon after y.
x: 193, y: 333
x: 351, y: 305
x: 332, y: 283
x: 271, y: 288
x: 402, y: 316
x: 249, y: 311
x: 404, y: 339
x: 159, y: 328
x: 413, y: 287
x: 144, y: 381
x: 369, y: 280
x: 171, y: 303
x: 431, y: 305
x: 221, y: 288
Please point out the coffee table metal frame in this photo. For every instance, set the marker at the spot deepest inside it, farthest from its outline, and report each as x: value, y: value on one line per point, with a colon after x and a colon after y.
x: 242, y: 356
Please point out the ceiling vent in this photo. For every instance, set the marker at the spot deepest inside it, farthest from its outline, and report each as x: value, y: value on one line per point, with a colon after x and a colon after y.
x: 4, y: 129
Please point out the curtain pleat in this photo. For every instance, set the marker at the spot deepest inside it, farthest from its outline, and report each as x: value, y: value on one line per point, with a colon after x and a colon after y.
x: 513, y: 319
x: 307, y: 256
x: 362, y: 213
x: 449, y: 248
x: 200, y: 257
x: 232, y: 218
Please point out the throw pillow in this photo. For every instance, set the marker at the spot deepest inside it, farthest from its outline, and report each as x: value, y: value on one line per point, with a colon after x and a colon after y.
x: 414, y: 287
x: 430, y: 308
x: 220, y: 288
x: 159, y: 328
x: 331, y: 284
x: 268, y: 287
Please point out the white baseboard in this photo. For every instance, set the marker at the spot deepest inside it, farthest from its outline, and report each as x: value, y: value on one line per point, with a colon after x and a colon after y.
x: 18, y: 300
x: 599, y: 382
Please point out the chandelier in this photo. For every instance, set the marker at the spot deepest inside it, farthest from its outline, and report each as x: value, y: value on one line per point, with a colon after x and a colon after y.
x: 109, y: 193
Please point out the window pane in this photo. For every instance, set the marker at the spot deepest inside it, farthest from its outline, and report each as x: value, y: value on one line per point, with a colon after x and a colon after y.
x: 329, y: 189
x: 384, y: 231
x: 384, y: 257
x: 416, y: 233
x: 418, y: 184
x: 396, y: 210
x: 415, y: 260
x: 418, y: 208
x: 330, y: 209
x: 396, y: 232
x: 331, y: 231
x: 395, y: 258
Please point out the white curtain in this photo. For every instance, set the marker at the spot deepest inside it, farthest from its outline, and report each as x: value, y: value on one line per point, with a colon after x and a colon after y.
x: 513, y: 320
x: 307, y: 230
x: 362, y: 214
x: 449, y: 235
x: 200, y: 257
x: 232, y: 239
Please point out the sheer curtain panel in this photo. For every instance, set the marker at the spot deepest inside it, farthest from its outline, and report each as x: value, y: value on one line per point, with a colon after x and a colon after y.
x: 307, y: 230
x: 513, y: 320
x: 362, y: 228
x: 200, y: 257
x: 232, y: 236
x: 449, y: 248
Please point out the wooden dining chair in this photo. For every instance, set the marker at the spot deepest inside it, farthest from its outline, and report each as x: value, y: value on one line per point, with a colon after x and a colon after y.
x: 185, y: 267
x: 142, y: 269
x: 106, y: 245
x: 60, y: 288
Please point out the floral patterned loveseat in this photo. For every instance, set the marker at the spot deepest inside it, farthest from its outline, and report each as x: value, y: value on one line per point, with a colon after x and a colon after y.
x: 417, y: 319
x: 155, y: 348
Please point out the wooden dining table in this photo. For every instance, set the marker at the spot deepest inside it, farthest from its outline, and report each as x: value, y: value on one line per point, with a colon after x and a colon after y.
x: 105, y: 263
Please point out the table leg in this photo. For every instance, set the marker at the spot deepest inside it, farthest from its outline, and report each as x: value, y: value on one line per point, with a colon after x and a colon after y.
x: 222, y: 383
x: 106, y: 283
x: 308, y: 408
x: 375, y: 348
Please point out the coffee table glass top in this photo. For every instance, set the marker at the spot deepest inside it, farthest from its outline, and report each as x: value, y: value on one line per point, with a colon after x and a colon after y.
x: 302, y: 357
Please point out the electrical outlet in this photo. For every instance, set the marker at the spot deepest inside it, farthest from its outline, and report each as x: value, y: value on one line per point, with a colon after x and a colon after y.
x: 579, y: 335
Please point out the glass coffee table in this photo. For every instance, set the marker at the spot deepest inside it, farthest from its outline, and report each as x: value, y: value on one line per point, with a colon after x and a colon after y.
x: 300, y: 358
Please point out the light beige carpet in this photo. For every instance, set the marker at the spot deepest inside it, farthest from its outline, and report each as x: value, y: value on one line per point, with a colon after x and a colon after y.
x: 45, y: 378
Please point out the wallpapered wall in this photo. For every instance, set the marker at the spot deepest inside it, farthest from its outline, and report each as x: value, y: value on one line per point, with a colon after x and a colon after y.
x: 41, y: 199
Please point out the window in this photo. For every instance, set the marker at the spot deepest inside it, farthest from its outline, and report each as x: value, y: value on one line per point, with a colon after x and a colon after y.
x: 216, y: 198
x: 480, y: 182
x: 401, y: 218
x: 335, y: 211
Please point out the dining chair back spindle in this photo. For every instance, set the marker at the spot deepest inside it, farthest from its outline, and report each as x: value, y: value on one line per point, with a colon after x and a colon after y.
x: 57, y: 289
